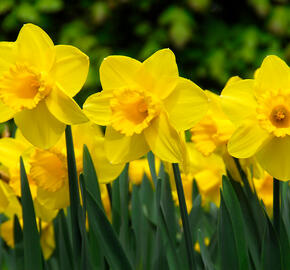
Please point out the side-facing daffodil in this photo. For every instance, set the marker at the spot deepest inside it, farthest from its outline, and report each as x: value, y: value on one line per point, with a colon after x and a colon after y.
x: 140, y: 167
x: 48, y: 168
x: 264, y: 190
x: 260, y: 109
x: 37, y: 83
x: 212, y: 133
x: 145, y: 106
x: 47, y: 239
x: 207, y: 172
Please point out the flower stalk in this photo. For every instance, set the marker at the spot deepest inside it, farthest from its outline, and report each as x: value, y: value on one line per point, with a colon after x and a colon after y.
x: 276, y: 204
x: 184, y: 215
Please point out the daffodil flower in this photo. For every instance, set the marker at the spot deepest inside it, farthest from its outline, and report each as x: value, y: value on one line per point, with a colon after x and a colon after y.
x: 37, y: 83
x: 47, y: 239
x: 145, y: 106
x: 260, y: 109
x: 207, y: 172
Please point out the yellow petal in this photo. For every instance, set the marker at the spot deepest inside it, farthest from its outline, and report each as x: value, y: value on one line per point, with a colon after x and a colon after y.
x: 7, y: 55
x: 106, y: 171
x: 39, y: 126
x: 159, y: 73
x: 6, y: 113
x: 44, y: 213
x: 118, y: 71
x: 186, y: 105
x: 10, y: 152
x: 238, y: 100
x: 164, y: 140
x: 162, y: 63
x: 35, y: 47
x: 275, y: 159
x: 233, y: 80
x: 70, y: 69
x: 47, y: 240
x: 64, y: 108
x: 274, y: 74
x: 54, y: 200
x: 4, y: 197
x: 248, y: 138
x: 120, y: 148
x: 97, y: 108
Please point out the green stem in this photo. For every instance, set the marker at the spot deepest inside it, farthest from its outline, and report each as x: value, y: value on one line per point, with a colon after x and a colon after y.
x: 184, y: 215
x: 276, y: 203
x: 74, y: 195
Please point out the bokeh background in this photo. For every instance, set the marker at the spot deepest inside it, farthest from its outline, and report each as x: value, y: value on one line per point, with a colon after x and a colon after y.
x: 212, y: 39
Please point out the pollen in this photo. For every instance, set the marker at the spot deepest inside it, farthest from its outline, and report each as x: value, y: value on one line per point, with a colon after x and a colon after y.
x: 22, y: 87
x: 133, y: 110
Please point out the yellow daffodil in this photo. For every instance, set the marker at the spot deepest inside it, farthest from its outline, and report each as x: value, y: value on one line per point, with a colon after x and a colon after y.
x: 260, y: 109
x: 264, y: 189
x: 144, y: 106
x: 212, y: 133
x: 207, y: 171
x: 37, y: 83
x: 48, y: 168
x: 47, y: 241
x: 139, y: 167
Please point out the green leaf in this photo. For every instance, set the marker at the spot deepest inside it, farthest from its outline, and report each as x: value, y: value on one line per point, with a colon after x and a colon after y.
x: 103, y: 230
x: 90, y: 176
x: 116, y: 215
x: 237, y: 221
x: 151, y: 162
x: 159, y: 259
x: 204, y: 252
x: 271, y: 256
x: 63, y: 242
x: 32, y: 250
x: 85, y: 253
x: 285, y: 246
x: 75, y: 206
x: 226, y: 241
x: 125, y: 231
x: 18, y: 244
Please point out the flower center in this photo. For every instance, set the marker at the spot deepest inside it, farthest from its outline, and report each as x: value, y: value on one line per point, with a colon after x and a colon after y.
x: 48, y: 169
x: 133, y: 110
x: 280, y: 117
x: 23, y: 87
x: 274, y: 112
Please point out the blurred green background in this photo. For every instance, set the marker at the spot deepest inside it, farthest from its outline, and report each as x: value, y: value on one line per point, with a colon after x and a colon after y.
x: 212, y: 40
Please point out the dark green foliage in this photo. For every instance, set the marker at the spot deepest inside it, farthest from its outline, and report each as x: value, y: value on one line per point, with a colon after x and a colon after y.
x: 31, y: 241
x: 145, y: 231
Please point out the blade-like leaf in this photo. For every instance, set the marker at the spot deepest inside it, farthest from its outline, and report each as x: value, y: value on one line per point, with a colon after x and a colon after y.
x: 18, y: 244
x: 102, y: 228
x: 204, y: 252
x: 32, y: 250
x: 226, y: 241
x: 237, y: 221
x: 74, y: 196
x: 271, y: 255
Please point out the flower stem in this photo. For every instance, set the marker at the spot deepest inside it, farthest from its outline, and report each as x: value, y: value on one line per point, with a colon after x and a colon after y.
x: 74, y: 195
x: 276, y: 204
x: 184, y: 215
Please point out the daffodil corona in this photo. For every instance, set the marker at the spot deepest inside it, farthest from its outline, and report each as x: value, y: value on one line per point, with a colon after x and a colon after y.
x: 260, y: 109
x: 37, y: 83
x: 145, y: 106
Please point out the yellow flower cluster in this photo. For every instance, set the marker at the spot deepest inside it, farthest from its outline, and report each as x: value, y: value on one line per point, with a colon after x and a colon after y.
x: 145, y: 106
